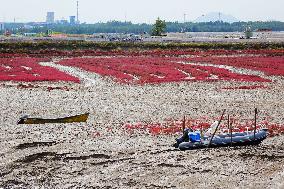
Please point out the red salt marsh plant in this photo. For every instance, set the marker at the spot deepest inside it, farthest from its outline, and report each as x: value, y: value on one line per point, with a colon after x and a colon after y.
x: 29, y: 70
x: 244, y: 87
x: 268, y: 65
x: 174, y: 127
x: 142, y: 70
x: 146, y: 66
x: 143, y: 52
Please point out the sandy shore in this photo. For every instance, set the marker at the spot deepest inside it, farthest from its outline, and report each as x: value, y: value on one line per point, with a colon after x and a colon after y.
x: 75, y: 156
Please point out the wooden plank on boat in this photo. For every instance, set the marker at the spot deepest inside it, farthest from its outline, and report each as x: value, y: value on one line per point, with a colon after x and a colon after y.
x: 70, y: 119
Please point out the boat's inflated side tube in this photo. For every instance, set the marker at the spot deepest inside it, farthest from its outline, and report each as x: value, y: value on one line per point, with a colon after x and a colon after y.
x: 223, y: 141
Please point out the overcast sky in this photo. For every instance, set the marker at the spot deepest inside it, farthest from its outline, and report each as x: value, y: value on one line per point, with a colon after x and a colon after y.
x: 143, y: 11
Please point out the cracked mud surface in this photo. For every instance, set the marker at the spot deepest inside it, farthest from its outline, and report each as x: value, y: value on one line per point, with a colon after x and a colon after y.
x: 76, y: 156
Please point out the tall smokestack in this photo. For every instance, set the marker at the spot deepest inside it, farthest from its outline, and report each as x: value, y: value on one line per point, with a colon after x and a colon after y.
x: 78, y: 22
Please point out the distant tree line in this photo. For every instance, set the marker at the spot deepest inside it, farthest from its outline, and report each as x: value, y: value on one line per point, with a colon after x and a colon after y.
x: 128, y: 27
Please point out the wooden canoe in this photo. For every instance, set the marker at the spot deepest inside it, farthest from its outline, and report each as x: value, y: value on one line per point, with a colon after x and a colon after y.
x: 71, y: 119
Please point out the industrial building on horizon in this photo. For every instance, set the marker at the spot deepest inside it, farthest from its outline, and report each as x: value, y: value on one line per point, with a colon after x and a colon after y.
x: 72, y: 20
x: 2, y: 28
x: 50, y: 17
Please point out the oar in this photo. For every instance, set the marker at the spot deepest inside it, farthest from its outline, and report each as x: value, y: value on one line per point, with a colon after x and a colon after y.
x: 231, y: 133
x: 183, y: 125
x: 216, y: 128
x: 255, y: 114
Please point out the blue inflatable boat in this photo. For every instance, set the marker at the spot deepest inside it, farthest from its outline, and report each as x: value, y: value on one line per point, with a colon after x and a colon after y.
x: 191, y: 141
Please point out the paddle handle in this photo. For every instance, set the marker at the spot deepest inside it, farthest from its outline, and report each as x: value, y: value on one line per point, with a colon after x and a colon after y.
x: 255, y: 117
x: 216, y: 128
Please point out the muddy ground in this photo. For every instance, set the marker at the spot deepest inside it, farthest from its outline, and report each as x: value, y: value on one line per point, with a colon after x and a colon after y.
x: 101, y: 154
